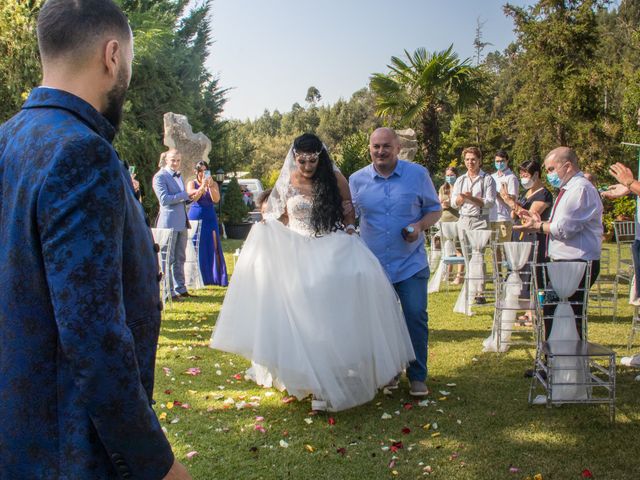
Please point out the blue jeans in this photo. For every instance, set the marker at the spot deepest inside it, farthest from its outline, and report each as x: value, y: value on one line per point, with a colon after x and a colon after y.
x: 635, y: 250
x: 413, y: 297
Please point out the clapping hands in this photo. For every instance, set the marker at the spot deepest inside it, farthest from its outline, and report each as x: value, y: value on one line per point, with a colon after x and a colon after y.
x: 529, y: 221
x: 615, y: 191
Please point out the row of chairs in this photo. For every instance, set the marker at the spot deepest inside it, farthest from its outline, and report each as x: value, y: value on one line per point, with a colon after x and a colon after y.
x: 193, y: 277
x: 568, y: 368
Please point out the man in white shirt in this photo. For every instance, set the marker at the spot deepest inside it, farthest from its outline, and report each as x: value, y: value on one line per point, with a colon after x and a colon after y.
x: 474, y: 194
x: 506, y: 188
x: 575, y: 225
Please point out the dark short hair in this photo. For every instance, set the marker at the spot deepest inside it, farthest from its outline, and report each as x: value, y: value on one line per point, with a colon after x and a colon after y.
x: 73, y: 26
x: 452, y: 168
x: 531, y: 167
x: 502, y: 154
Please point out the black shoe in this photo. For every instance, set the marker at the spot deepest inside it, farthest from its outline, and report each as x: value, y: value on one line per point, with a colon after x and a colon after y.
x: 176, y: 298
x: 529, y: 373
x: 186, y: 294
x: 480, y: 300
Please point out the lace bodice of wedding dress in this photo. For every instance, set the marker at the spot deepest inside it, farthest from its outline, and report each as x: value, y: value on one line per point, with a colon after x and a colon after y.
x: 299, y: 212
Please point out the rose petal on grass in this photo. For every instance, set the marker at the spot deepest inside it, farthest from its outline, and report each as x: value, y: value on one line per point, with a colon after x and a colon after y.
x: 193, y: 371
x: 386, y: 416
x: 309, y: 448
x: 288, y: 399
x: 514, y: 469
x: 332, y: 421
x: 537, y: 476
x: 259, y: 428
x: 407, y: 406
x: 406, y: 430
x: 238, y: 376
x: 284, y: 444
x: 191, y: 454
x: 586, y: 473
x: 169, y: 405
x: 168, y: 392
x: 162, y: 416
x: 395, y: 446
x: 342, y: 451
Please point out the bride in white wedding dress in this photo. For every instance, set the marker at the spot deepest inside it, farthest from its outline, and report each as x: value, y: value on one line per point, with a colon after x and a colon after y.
x: 308, y: 303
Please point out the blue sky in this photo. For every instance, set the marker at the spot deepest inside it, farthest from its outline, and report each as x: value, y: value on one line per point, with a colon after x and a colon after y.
x: 270, y: 51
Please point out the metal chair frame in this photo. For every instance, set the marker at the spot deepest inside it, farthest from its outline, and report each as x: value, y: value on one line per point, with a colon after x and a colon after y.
x: 487, y: 278
x: 599, y: 362
x: 192, y: 262
x: 624, y: 233
x: 501, y: 271
x: 164, y: 259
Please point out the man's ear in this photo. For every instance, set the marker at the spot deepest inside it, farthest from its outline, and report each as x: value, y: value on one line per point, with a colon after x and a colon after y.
x: 111, y: 57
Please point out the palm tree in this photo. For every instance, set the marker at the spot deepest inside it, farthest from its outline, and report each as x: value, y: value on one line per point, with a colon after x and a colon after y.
x: 420, y: 90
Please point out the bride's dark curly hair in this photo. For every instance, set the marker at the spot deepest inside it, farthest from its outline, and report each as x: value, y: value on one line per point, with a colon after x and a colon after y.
x: 326, y: 213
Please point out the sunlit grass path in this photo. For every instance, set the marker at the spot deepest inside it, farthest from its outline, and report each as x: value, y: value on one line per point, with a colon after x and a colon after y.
x: 484, y: 425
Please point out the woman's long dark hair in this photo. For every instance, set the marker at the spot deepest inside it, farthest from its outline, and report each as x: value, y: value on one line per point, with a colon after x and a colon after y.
x: 326, y: 213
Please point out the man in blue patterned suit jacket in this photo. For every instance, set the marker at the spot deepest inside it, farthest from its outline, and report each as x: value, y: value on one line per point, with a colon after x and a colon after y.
x: 79, y: 299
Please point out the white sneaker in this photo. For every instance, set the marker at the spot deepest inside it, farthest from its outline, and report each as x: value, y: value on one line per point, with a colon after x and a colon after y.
x: 318, y: 405
x: 630, y: 361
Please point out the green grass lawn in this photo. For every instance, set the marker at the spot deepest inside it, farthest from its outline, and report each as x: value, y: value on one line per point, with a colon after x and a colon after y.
x: 478, y: 430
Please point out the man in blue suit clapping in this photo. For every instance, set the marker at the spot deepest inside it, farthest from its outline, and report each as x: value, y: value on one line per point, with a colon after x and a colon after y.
x: 79, y: 299
x: 168, y: 186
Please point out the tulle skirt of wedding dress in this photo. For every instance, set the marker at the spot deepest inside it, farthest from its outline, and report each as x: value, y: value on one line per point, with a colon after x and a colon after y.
x: 315, y: 316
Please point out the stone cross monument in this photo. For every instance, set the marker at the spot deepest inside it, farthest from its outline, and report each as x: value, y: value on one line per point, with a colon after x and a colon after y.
x: 193, y: 146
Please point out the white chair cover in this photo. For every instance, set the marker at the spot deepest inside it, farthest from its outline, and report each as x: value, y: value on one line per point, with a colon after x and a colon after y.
x: 473, y: 279
x: 448, y: 234
x: 192, y: 273
x: 434, y: 253
x: 516, y: 254
x: 565, y: 279
x: 162, y: 236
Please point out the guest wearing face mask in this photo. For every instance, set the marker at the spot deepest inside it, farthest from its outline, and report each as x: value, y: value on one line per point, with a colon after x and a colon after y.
x: 535, y: 199
x: 507, y: 191
x: 575, y: 222
x: 449, y: 213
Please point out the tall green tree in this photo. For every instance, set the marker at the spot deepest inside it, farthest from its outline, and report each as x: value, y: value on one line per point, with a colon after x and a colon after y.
x: 19, y: 58
x: 417, y: 91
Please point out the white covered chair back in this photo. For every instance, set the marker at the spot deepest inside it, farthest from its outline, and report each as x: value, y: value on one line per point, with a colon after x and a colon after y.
x: 192, y: 273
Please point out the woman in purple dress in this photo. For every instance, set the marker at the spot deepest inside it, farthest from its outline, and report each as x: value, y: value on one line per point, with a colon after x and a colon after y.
x: 205, y: 194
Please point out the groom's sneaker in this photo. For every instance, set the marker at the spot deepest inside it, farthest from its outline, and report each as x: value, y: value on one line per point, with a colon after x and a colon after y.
x: 419, y: 389
x: 393, y: 384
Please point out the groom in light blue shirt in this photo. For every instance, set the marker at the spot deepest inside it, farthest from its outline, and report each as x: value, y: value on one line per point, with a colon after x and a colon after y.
x: 396, y: 202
